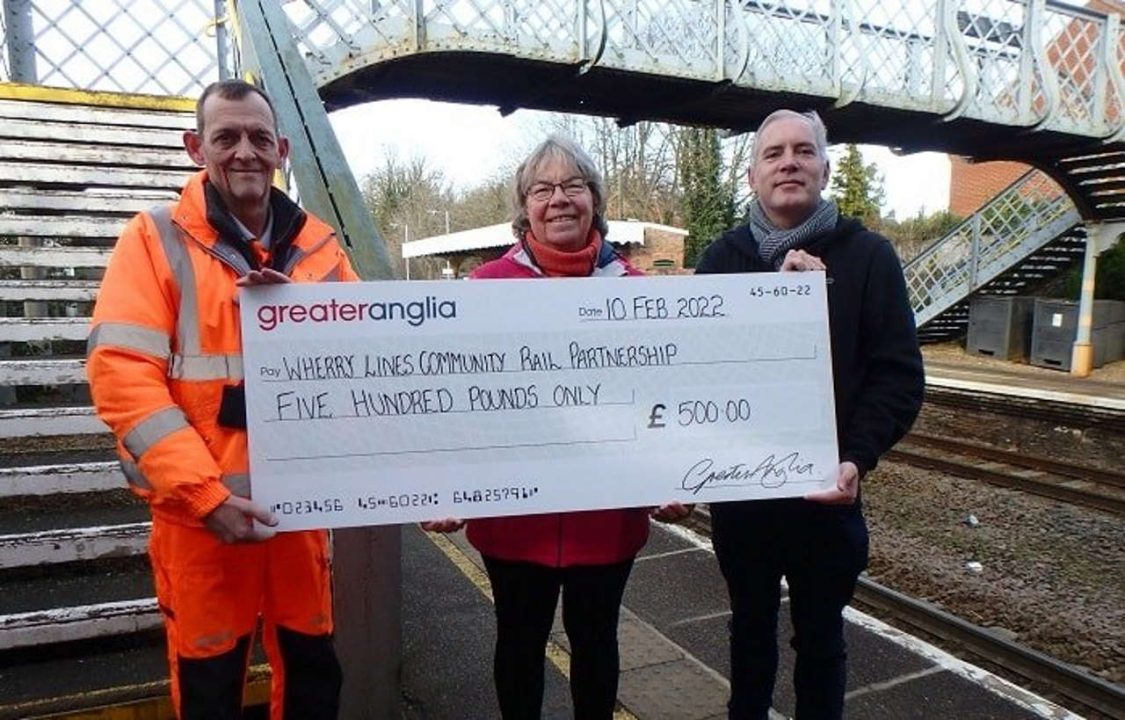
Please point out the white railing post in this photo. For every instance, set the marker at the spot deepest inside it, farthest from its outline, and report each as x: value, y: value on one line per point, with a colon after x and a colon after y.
x: 941, y: 49
x: 720, y: 39
x: 222, y: 39
x: 974, y: 257
x: 20, y: 41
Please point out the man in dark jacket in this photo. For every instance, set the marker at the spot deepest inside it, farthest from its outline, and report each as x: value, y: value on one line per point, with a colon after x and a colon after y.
x: 819, y: 543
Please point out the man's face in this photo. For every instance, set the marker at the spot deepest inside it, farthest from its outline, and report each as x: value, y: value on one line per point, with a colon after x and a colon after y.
x: 788, y: 173
x: 240, y: 149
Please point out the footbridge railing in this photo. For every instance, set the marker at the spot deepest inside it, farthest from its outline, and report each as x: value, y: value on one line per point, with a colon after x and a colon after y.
x: 1044, y: 64
x: 1037, y: 63
x: 1025, y: 217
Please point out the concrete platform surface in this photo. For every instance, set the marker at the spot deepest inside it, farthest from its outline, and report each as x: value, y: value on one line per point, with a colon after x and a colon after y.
x: 673, y: 638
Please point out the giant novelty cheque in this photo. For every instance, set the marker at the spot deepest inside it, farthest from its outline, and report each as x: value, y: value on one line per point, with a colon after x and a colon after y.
x: 392, y: 402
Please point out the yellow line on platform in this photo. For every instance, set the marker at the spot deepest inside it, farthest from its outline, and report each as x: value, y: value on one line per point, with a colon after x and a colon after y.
x: 136, y: 101
x: 556, y: 653
x: 156, y: 707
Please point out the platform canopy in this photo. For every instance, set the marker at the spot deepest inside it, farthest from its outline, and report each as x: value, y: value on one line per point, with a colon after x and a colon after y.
x: 621, y: 232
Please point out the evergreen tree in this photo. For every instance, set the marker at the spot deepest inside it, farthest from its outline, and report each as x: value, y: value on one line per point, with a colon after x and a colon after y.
x: 1109, y: 280
x: 913, y: 235
x: 857, y: 188
x: 708, y: 204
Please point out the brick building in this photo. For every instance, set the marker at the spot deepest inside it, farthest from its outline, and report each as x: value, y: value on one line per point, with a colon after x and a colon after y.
x: 971, y: 185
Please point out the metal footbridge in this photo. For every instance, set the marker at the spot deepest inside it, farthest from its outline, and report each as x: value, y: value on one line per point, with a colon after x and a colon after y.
x: 1038, y: 82
x: 94, y: 96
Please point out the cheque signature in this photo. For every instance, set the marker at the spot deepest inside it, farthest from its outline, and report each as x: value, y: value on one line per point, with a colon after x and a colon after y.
x: 772, y: 472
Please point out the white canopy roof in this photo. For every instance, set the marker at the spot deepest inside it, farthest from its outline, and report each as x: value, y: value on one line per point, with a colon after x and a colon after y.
x: 621, y: 232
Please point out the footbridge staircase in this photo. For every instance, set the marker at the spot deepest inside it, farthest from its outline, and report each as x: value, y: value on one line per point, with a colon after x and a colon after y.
x: 94, y: 97
x: 1027, y: 234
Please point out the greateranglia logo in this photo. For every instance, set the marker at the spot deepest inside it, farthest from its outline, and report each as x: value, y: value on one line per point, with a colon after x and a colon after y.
x: 413, y: 313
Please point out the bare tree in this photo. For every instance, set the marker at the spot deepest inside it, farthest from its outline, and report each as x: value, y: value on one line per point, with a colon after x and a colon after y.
x: 481, y: 205
x: 408, y: 201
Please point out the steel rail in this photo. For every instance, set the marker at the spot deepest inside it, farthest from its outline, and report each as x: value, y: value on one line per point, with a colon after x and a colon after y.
x: 1071, y: 682
x: 1021, y: 459
x: 972, y: 642
x: 1049, y: 410
x: 1035, y: 486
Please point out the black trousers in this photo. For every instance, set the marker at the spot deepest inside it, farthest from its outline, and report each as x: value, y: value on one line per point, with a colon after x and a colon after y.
x: 820, y: 550
x: 525, y: 596
x: 211, y: 688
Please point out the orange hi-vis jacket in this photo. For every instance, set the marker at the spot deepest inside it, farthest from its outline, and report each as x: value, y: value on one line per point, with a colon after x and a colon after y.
x: 166, y: 340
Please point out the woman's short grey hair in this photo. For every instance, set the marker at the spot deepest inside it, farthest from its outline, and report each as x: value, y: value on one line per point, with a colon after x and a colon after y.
x: 556, y: 147
x: 820, y: 133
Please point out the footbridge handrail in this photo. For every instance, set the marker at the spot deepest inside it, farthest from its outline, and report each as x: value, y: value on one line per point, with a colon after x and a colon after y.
x: 1029, y: 213
x: 1033, y: 64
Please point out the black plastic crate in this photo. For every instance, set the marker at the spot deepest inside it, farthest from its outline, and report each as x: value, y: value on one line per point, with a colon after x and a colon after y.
x: 1000, y: 326
x: 1055, y: 329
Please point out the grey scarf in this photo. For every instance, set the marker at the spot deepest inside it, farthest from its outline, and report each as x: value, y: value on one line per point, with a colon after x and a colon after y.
x: 773, y: 242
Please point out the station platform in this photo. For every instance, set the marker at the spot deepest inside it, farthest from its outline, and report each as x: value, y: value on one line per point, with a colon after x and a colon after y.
x: 1104, y: 388
x: 674, y: 651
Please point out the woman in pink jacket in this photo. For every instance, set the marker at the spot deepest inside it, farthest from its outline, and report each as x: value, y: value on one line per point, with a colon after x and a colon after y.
x: 559, y: 201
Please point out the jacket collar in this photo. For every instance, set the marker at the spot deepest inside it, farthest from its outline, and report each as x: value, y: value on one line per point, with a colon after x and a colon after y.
x: 609, y: 263
x: 202, y: 213
x: 743, y: 239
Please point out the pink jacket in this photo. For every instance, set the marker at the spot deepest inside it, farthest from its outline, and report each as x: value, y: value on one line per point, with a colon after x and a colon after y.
x: 597, y: 537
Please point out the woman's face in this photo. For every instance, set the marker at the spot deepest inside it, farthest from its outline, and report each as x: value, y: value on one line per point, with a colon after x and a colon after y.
x: 560, y: 205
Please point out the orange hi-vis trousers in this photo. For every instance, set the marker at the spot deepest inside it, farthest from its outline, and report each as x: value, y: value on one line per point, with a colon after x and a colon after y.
x: 212, y: 595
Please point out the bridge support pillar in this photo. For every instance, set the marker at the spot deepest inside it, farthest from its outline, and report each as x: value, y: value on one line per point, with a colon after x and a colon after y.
x: 1100, y: 237
x: 366, y: 569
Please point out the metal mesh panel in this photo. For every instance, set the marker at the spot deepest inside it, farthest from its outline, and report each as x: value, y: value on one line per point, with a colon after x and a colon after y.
x: 541, y: 26
x: 899, y: 48
x: 793, y: 45
x: 5, y: 71
x: 1115, y: 106
x: 981, y: 247
x: 678, y: 36
x: 160, y: 47
x: 995, y: 36
x: 1073, y: 45
x: 1022, y: 63
x: 331, y: 33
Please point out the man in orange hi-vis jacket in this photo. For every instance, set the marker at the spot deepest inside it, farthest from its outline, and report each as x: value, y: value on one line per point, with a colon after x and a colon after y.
x: 165, y: 370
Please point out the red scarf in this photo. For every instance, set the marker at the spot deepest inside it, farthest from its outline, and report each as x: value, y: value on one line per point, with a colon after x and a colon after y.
x: 565, y: 263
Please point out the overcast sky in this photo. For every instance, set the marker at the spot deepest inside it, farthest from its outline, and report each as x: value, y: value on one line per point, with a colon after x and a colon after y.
x: 471, y: 143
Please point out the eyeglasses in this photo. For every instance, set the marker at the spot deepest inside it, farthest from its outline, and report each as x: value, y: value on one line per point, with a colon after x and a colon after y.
x: 571, y: 187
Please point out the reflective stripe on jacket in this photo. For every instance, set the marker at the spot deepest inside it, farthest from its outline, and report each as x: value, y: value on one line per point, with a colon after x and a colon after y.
x: 166, y: 340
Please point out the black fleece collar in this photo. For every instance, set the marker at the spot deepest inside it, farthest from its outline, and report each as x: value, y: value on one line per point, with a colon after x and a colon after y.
x: 288, y: 219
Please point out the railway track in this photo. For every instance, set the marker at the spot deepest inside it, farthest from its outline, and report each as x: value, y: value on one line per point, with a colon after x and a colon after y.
x: 1052, y: 411
x: 1092, y: 487
x: 1074, y: 686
